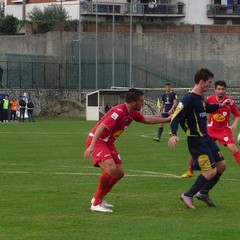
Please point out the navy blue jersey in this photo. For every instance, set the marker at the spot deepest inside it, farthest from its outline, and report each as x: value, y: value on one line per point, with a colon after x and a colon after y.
x: 191, y: 114
x: 168, y: 99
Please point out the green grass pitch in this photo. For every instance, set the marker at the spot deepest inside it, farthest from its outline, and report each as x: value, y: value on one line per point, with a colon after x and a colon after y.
x: 46, y: 187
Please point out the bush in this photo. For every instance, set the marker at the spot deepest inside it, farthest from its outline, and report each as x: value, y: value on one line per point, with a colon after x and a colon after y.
x: 47, y: 18
x: 9, y: 25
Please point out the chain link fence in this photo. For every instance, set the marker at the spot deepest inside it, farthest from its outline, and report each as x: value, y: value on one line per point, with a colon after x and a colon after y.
x: 106, y: 62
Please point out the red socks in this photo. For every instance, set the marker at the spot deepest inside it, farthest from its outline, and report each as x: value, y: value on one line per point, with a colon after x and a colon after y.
x: 237, y: 157
x: 190, y: 164
x: 106, y: 182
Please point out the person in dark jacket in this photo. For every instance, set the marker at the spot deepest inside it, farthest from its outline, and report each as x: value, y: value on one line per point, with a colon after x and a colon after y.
x: 30, y: 107
x: 22, y: 108
x: 1, y: 110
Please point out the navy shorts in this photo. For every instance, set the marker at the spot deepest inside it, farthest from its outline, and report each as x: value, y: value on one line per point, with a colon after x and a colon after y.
x: 205, y: 152
x: 165, y: 115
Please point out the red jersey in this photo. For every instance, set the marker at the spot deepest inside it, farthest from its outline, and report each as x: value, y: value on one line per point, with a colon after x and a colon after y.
x: 116, y: 120
x: 220, y: 119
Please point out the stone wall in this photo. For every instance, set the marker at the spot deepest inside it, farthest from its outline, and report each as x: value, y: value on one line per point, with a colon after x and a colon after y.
x: 42, y: 98
x: 50, y: 102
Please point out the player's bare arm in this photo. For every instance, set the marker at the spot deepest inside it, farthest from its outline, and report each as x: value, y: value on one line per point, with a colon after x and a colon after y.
x: 161, y: 107
x: 156, y: 119
x: 224, y: 103
x: 172, y: 142
x: 175, y: 102
x: 234, y: 124
x: 88, y: 152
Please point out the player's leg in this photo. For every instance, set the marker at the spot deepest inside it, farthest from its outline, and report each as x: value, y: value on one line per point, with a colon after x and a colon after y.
x: 220, y: 163
x: 189, y: 172
x: 221, y: 167
x: 108, y: 167
x: 160, y: 131
x: 235, y: 152
x: 203, y: 194
x: 226, y: 139
x: 204, y: 159
x: 108, y: 159
x: 109, y: 176
x: 119, y: 173
x: 113, y: 169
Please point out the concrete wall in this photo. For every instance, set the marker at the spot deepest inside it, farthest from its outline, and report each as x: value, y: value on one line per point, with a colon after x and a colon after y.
x: 54, y: 44
x: 219, y: 52
x: 215, y: 47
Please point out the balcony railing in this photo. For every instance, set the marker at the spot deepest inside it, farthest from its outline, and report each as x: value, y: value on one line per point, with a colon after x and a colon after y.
x: 216, y: 10
x: 136, y: 9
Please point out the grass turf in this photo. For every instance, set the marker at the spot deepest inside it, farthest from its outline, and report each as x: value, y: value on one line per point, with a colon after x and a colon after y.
x: 46, y: 187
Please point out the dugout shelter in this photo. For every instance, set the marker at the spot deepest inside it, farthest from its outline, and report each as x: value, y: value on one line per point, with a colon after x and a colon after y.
x: 97, y: 101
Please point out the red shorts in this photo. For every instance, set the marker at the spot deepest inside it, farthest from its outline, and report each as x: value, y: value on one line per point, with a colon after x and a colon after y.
x: 224, y: 137
x: 104, y: 151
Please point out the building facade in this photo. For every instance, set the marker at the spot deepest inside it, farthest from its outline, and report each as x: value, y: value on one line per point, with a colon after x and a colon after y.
x: 204, y: 12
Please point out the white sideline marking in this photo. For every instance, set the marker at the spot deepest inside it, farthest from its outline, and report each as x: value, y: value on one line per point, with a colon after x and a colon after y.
x: 141, y: 172
x: 145, y: 174
x: 149, y: 135
x: 81, y: 174
x: 156, y: 173
x: 43, y: 133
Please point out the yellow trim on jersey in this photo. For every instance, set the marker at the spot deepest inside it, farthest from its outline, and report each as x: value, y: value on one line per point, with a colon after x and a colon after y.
x: 197, y: 125
x: 188, y: 129
x: 178, y: 109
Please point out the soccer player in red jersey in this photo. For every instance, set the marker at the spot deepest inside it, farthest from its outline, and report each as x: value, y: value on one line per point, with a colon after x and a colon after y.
x: 219, y: 126
x: 100, y: 143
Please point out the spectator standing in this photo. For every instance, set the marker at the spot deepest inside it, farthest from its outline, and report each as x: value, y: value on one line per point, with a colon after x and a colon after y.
x: 22, y: 107
x: 5, y: 108
x: 14, y: 107
x: 1, y: 110
x: 30, y: 107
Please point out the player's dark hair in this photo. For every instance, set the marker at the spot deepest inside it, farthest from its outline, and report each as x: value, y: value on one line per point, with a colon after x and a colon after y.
x: 220, y: 83
x: 168, y: 84
x: 203, y: 74
x: 133, y: 94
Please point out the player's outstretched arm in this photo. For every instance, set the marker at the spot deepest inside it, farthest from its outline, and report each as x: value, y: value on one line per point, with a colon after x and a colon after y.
x: 156, y: 119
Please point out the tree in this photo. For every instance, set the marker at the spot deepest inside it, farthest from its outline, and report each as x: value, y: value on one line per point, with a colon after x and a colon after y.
x: 9, y: 25
x: 47, y: 18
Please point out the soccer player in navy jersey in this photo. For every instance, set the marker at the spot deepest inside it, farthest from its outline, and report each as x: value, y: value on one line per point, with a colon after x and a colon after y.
x: 219, y: 126
x: 101, y: 147
x: 191, y: 114
x: 168, y: 104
